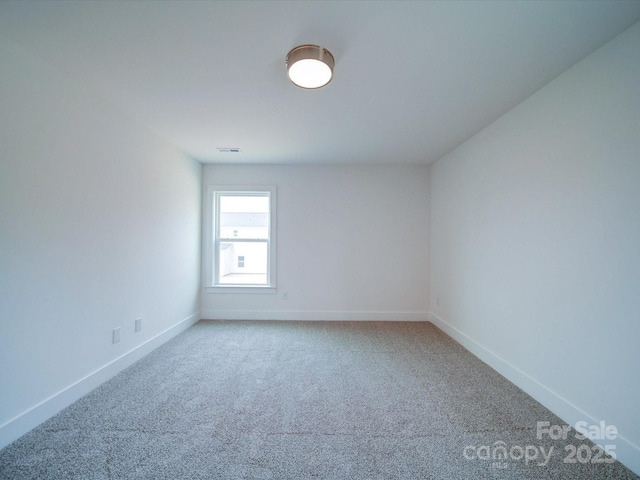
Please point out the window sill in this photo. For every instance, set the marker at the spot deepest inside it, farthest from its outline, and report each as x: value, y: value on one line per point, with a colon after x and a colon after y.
x: 240, y: 289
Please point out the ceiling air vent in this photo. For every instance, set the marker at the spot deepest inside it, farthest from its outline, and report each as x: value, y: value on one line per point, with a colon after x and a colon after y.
x: 229, y: 150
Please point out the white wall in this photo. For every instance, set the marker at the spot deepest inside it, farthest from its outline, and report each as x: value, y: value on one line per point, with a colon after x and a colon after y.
x: 351, y: 243
x: 535, y: 243
x: 100, y: 225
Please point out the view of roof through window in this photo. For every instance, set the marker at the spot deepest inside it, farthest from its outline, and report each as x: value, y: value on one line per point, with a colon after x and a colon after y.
x: 244, y: 232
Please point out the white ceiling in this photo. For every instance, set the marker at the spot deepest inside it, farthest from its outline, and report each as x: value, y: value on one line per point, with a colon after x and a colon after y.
x: 413, y: 80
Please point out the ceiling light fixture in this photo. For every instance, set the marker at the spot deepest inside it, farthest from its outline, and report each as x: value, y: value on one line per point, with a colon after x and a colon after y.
x: 310, y: 66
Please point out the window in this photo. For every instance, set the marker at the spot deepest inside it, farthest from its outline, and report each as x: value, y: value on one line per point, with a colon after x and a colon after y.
x: 241, y: 249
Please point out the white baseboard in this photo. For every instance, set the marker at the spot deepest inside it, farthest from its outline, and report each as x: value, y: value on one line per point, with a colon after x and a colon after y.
x: 31, y: 418
x: 627, y: 452
x: 309, y: 315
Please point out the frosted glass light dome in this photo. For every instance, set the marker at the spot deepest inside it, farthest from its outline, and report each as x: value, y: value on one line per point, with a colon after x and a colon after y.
x: 310, y: 66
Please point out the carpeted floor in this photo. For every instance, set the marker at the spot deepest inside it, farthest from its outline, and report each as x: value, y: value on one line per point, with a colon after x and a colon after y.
x: 296, y: 400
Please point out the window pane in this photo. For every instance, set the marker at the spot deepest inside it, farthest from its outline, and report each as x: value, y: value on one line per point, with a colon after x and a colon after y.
x: 243, y: 241
x: 244, y: 216
x: 243, y: 263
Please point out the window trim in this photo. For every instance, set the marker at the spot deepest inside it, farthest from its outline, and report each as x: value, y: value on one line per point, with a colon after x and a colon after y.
x: 210, y: 239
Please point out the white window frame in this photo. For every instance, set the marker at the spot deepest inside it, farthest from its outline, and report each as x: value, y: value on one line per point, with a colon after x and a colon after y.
x: 212, y: 239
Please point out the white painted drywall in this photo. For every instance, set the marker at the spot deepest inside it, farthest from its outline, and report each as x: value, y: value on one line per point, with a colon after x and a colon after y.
x: 535, y: 242
x: 100, y: 225
x: 351, y: 243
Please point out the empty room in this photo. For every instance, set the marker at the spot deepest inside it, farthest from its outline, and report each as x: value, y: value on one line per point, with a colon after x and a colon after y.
x: 319, y: 239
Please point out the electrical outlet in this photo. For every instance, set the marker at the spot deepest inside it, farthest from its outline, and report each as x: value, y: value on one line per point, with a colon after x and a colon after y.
x: 116, y: 335
x: 437, y: 300
x: 285, y: 295
x: 138, y: 324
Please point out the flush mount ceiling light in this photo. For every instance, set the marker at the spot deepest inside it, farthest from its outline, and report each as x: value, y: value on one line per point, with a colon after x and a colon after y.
x: 310, y: 66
